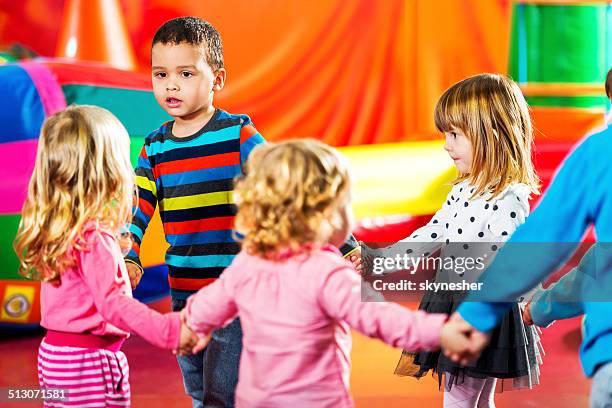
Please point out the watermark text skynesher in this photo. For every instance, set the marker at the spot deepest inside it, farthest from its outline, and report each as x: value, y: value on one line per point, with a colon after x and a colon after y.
x: 408, y: 285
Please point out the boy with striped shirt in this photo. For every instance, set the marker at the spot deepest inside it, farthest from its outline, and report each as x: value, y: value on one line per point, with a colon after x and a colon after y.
x: 187, y: 167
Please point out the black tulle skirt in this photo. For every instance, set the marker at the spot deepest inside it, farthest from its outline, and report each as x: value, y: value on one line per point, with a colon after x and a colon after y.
x: 513, y: 354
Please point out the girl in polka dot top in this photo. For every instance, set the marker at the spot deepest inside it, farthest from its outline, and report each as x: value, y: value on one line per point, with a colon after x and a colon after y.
x: 488, y: 132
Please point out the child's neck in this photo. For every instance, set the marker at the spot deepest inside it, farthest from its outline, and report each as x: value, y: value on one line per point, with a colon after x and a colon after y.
x: 186, y: 126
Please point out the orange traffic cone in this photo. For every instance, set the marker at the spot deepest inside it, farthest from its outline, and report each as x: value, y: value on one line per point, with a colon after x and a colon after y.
x: 94, y: 30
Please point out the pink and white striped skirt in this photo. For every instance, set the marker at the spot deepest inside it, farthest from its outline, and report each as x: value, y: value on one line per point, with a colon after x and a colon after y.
x: 92, y: 377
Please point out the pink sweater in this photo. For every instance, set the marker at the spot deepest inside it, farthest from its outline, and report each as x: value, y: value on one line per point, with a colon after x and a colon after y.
x: 95, y: 297
x: 295, y: 317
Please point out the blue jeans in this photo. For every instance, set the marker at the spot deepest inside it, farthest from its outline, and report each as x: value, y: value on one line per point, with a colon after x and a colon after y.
x: 210, y: 377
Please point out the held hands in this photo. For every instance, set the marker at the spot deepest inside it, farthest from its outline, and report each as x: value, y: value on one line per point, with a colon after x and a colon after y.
x: 461, y: 342
x: 189, y: 342
x: 135, y: 274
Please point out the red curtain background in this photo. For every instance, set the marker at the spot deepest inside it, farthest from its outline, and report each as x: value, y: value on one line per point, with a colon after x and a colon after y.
x: 347, y: 72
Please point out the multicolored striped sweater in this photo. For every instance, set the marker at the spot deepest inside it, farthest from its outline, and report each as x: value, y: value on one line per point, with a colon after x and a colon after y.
x: 191, y: 179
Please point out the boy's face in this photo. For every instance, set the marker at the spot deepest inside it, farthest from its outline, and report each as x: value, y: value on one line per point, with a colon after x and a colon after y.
x: 183, y: 82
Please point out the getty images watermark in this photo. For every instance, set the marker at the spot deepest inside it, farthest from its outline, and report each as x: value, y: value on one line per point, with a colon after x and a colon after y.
x: 382, y: 266
x: 406, y: 271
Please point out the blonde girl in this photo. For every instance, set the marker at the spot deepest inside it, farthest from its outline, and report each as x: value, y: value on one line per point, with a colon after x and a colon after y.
x: 295, y: 294
x: 79, y: 198
x: 488, y: 135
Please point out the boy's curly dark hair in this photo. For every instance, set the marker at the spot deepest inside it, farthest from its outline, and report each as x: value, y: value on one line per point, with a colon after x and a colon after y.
x: 193, y: 30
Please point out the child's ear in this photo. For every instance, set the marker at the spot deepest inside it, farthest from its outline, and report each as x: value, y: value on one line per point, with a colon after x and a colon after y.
x: 219, y: 81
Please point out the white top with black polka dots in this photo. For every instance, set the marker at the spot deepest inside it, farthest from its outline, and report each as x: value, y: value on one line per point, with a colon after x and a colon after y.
x: 468, y: 221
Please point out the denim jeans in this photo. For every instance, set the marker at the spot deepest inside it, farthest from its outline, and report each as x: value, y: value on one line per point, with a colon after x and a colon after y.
x: 210, y: 376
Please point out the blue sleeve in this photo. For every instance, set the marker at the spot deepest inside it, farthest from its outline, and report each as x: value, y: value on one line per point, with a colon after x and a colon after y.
x: 548, y: 306
x: 541, y: 244
x: 249, y: 139
x: 589, y: 283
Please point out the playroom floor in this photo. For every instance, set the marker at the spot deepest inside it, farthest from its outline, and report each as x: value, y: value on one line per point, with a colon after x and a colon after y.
x: 156, y: 381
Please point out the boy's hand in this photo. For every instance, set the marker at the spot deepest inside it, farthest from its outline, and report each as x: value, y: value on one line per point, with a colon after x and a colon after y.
x: 135, y: 274
x: 527, y: 319
x: 189, y: 342
x: 355, y: 258
x: 200, y: 344
x: 461, y: 342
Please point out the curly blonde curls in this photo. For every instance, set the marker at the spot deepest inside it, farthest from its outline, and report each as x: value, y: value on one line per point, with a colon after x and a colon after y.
x: 82, y: 173
x: 290, y: 196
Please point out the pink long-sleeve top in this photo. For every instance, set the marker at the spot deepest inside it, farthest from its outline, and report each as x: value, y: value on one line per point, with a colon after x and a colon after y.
x: 94, y: 298
x: 295, y: 317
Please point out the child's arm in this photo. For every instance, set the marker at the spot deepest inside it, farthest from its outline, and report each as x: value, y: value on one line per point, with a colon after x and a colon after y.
x: 563, y: 299
x: 556, y: 225
x: 144, y: 209
x: 544, y: 311
x: 511, y: 211
x: 423, y: 242
x: 101, y: 266
x: 430, y: 237
x: 249, y: 139
x: 341, y: 295
x: 211, y: 307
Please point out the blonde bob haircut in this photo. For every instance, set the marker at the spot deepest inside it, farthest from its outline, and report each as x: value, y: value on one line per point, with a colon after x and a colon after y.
x: 82, y: 173
x: 492, y: 112
x: 291, y: 196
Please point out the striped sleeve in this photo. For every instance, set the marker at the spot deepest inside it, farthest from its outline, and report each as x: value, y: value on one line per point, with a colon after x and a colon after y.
x: 145, y: 207
x: 249, y: 139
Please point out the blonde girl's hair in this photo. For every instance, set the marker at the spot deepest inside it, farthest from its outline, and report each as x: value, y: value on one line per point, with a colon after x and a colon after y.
x: 492, y: 112
x: 82, y: 173
x: 291, y: 195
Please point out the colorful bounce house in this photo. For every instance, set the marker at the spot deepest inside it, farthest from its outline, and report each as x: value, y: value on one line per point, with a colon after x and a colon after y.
x: 559, y: 52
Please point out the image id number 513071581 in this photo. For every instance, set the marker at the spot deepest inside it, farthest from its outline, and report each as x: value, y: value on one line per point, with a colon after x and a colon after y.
x: 33, y: 394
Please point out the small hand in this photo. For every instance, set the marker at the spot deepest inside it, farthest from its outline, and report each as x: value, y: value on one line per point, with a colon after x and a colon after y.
x: 355, y: 258
x: 527, y: 319
x: 461, y: 342
x: 454, y: 342
x: 200, y: 344
x: 197, y: 343
x: 186, y: 341
x: 135, y: 274
x: 189, y: 342
x: 367, y: 258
